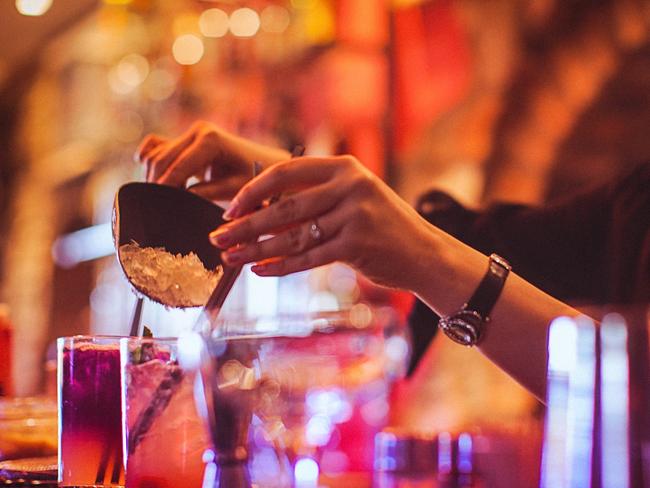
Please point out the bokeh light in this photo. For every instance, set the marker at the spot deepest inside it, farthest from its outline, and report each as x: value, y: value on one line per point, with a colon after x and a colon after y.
x: 306, y: 473
x: 33, y: 7
x: 360, y: 315
x: 275, y: 19
x: 132, y: 69
x: 334, y: 462
x: 160, y: 85
x: 323, y: 301
x: 116, y: 84
x: 244, y: 22
x: 318, y: 430
x: 375, y: 412
x: 213, y: 22
x: 188, y: 49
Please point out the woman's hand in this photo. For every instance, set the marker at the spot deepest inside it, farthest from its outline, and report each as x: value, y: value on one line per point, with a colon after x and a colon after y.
x: 221, y: 161
x: 334, y: 210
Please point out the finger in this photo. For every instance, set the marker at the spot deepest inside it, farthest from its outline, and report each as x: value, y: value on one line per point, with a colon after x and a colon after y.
x: 293, y: 174
x: 148, y: 143
x: 292, y: 209
x: 150, y: 159
x: 318, y: 256
x: 192, y: 161
x: 168, y: 154
x: 293, y: 241
x: 222, y: 189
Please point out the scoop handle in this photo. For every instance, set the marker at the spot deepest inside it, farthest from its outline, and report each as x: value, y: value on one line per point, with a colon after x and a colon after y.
x: 137, y: 316
x: 218, y: 296
x: 230, y: 274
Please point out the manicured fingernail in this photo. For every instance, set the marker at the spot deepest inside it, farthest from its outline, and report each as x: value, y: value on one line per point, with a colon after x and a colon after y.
x: 232, y: 257
x: 259, y: 268
x: 220, y: 237
x: 233, y: 211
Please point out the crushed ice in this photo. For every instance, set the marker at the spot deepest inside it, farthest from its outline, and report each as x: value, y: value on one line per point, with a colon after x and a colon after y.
x: 171, y: 279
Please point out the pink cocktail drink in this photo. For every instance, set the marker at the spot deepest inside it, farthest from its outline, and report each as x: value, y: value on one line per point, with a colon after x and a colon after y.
x: 90, y: 426
x: 165, y: 438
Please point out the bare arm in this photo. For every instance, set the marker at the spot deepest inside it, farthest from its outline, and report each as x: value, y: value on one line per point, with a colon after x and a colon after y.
x: 365, y: 224
x: 361, y: 222
x: 515, y: 337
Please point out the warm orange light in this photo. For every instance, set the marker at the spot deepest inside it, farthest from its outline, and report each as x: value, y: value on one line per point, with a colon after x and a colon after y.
x: 185, y: 23
x: 33, y: 8
x: 133, y: 69
x: 213, y: 22
x: 128, y: 74
x: 405, y: 3
x: 303, y: 3
x: 319, y: 22
x: 188, y: 49
x: 275, y: 19
x: 244, y: 22
x: 160, y: 85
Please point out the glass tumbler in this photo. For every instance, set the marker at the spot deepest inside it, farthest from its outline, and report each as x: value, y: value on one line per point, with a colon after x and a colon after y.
x: 164, y: 437
x: 294, y: 400
x: 90, y: 420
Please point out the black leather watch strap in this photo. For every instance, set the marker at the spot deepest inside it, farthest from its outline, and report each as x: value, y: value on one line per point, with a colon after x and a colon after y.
x: 467, y: 325
x: 487, y: 293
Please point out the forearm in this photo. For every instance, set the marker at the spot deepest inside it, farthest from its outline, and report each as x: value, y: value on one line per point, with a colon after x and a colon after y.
x: 515, y: 337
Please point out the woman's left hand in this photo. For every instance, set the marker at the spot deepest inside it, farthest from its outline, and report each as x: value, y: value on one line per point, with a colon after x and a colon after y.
x: 335, y: 209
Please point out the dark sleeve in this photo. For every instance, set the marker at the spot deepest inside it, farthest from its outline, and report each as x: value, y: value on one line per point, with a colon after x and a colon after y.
x: 592, y: 247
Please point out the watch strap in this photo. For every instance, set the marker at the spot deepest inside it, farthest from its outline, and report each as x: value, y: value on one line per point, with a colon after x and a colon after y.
x: 489, y: 289
x: 467, y: 325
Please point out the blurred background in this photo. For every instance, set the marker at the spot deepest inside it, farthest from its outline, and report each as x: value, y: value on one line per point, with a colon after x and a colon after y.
x: 524, y: 100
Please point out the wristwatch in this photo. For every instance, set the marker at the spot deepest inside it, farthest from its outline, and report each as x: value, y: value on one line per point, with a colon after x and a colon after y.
x: 467, y: 325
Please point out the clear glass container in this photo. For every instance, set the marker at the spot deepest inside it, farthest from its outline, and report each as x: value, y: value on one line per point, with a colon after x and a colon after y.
x: 294, y: 398
x: 90, y: 417
x: 159, y: 410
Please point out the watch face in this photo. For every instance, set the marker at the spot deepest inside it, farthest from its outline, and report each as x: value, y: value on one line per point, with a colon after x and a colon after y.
x: 463, y: 327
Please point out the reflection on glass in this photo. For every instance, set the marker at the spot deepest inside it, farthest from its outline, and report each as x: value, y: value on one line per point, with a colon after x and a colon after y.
x: 293, y: 397
x: 568, y: 442
x: 614, y: 403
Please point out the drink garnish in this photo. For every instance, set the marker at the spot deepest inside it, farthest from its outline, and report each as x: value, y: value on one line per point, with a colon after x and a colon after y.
x: 144, y: 352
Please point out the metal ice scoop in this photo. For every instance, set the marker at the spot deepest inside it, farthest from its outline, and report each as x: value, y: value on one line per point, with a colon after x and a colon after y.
x: 171, y: 225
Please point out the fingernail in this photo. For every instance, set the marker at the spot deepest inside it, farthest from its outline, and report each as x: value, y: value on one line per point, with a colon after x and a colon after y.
x: 259, y: 268
x: 232, y: 257
x: 220, y: 237
x: 233, y: 210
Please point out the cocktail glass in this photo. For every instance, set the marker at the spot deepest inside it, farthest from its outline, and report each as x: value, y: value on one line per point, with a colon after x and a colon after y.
x: 165, y: 438
x: 90, y: 421
x: 296, y: 396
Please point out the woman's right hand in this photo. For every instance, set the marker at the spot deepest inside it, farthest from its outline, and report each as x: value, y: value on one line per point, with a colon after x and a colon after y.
x: 221, y: 161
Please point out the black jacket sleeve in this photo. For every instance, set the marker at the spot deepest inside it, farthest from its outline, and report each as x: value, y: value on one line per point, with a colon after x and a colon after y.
x: 592, y: 247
